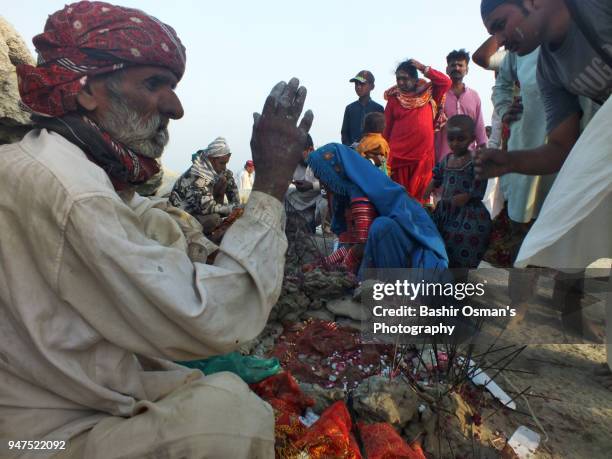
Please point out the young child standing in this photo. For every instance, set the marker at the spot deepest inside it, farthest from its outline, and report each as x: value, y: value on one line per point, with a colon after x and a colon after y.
x: 461, y: 217
x: 373, y: 145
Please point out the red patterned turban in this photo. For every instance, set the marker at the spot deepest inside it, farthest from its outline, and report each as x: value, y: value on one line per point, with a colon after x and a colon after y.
x: 91, y: 38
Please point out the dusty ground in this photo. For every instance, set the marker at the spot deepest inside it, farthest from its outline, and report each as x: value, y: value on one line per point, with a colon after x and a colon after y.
x: 573, y: 409
x: 561, y: 400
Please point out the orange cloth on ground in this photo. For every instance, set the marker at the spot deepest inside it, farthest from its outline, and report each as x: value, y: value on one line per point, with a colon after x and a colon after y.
x: 331, y: 435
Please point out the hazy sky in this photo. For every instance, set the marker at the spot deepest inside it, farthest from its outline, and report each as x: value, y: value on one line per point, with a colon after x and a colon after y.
x: 238, y: 49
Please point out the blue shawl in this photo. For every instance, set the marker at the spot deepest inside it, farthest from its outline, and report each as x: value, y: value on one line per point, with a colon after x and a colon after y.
x: 349, y: 176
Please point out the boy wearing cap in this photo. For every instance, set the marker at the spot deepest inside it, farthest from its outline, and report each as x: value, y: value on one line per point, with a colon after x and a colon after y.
x: 354, y: 114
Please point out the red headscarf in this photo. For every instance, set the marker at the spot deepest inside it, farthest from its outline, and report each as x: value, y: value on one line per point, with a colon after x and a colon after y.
x: 91, y: 38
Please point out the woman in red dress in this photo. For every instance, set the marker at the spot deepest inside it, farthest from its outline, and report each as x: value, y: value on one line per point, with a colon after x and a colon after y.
x: 414, y: 110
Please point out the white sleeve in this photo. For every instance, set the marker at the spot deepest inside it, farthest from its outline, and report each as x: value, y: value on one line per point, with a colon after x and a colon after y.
x: 151, y: 299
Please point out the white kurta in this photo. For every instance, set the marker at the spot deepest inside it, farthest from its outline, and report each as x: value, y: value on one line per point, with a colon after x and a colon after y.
x: 574, y: 228
x: 524, y: 193
x: 85, y: 291
x: 245, y: 184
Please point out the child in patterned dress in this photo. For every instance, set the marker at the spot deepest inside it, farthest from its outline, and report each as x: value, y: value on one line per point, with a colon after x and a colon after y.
x: 461, y: 217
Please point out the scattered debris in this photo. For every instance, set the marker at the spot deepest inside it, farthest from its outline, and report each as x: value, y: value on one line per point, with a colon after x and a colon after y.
x: 524, y: 442
x: 480, y: 378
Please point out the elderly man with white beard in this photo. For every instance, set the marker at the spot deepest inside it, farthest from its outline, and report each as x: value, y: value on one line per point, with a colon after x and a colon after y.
x: 98, y: 291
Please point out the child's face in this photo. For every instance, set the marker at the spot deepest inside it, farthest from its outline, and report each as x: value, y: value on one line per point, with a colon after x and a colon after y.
x: 459, y: 140
x: 363, y: 89
x: 375, y: 157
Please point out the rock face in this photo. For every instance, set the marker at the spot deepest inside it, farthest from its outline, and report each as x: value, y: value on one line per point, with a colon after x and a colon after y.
x: 347, y: 307
x: 379, y: 399
x: 14, y: 122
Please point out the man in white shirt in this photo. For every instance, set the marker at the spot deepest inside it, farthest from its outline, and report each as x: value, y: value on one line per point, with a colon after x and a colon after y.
x: 246, y: 179
x: 101, y: 288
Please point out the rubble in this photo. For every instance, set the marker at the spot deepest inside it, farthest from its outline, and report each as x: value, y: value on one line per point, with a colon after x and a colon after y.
x: 347, y: 307
x: 14, y: 122
x: 380, y: 399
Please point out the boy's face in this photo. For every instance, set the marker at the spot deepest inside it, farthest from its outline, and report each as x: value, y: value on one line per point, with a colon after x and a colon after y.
x: 363, y: 89
x: 459, y: 139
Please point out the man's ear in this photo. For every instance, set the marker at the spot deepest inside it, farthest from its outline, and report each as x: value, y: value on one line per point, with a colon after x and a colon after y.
x: 89, y: 95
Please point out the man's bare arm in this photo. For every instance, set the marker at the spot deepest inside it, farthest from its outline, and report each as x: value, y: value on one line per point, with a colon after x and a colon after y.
x: 483, y: 54
x: 546, y: 159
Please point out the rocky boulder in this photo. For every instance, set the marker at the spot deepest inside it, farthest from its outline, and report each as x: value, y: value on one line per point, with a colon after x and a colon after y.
x: 14, y: 122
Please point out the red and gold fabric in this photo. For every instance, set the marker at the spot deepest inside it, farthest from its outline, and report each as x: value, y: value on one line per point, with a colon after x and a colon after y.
x: 410, y: 122
x: 91, y: 38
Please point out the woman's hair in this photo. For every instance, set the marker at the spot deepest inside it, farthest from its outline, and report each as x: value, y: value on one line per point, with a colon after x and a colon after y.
x: 374, y: 122
x: 410, y: 69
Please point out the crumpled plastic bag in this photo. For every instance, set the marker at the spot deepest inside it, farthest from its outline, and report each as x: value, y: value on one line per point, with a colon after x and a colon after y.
x: 251, y: 369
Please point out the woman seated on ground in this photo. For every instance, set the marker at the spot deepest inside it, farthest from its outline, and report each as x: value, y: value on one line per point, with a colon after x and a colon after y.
x: 202, y: 189
x: 378, y: 224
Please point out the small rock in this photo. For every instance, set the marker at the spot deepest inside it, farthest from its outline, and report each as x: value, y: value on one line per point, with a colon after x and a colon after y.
x: 345, y: 322
x: 346, y: 307
x: 323, y: 397
x: 292, y: 317
x: 381, y: 399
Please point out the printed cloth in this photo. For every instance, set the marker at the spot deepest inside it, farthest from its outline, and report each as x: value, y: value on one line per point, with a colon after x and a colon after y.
x: 422, y: 96
x: 465, y: 229
x: 123, y: 166
x: 92, y: 38
x: 193, y: 191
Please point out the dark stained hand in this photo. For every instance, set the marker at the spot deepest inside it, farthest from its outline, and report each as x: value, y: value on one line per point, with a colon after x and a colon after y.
x: 278, y: 141
x: 219, y: 189
x: 490, y: 163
